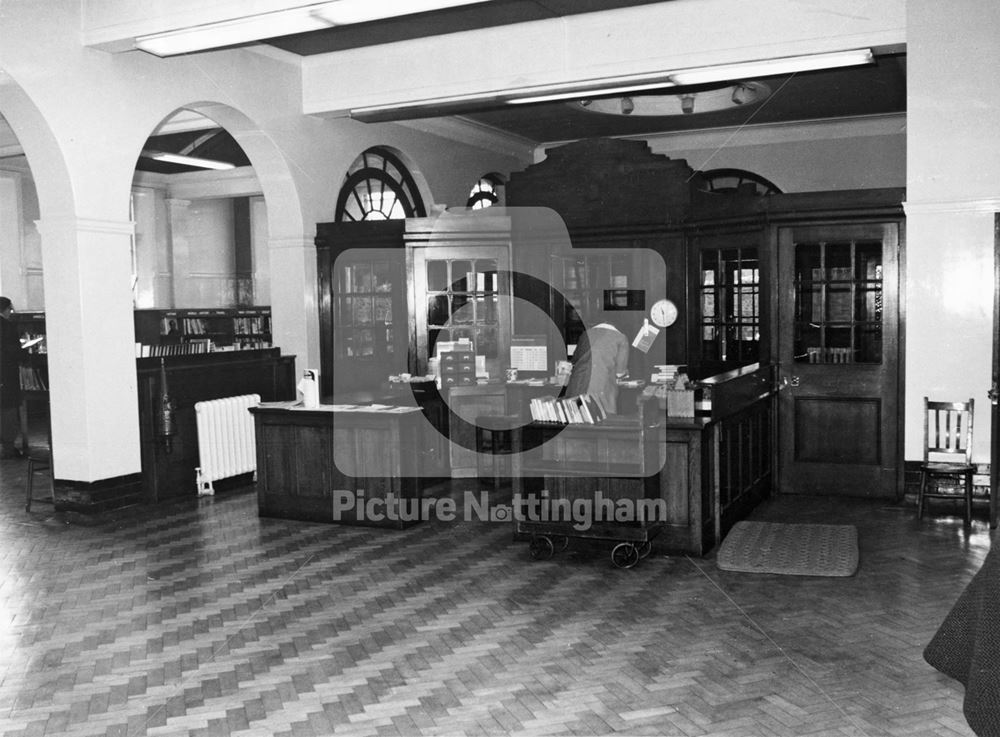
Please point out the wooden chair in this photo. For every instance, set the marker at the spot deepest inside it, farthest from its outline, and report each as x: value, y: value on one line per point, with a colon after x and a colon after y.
x: 947, y: 452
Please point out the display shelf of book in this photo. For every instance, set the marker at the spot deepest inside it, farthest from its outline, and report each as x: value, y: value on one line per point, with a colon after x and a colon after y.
x: 177, y: 332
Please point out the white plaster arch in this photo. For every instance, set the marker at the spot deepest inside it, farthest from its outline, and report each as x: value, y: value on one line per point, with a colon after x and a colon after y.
x: 41, y: 148
x: 292, y: 263
x: 284, y: 207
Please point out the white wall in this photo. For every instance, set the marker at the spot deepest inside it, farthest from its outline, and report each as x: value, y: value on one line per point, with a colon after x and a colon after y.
x: 20, y: 245
x: 953, y: 189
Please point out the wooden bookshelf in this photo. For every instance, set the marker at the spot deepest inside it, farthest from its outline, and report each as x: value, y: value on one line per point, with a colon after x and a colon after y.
x: 182, y: 332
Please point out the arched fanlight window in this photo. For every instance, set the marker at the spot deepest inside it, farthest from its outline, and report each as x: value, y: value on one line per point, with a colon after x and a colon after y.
x: 731, y: 181
x: 485, y: 192
x: 378, y: 187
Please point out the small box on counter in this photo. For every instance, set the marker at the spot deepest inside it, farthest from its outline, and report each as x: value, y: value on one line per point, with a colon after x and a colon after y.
x: 680, y: 402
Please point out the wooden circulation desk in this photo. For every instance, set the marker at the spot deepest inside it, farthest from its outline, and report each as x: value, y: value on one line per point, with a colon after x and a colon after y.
x: 709, y: 472
x: 322, y: 465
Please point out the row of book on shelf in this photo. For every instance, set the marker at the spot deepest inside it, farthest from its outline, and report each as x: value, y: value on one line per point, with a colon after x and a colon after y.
x: 242, y: 325
x: 581, y: 409
x: 195, y: 347
x: 32, y: 380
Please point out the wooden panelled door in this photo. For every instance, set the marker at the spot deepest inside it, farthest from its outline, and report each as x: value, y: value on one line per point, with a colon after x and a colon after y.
x: 838, y: 355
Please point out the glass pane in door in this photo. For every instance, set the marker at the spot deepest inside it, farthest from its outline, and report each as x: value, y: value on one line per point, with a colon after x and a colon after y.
x: 838, y: 302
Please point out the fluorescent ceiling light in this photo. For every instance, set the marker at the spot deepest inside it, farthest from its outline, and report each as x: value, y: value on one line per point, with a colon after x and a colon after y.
x: 589, y: 92
x: 228, y: 33
x: 487, y: 97
x: 187, y: 160
x: 768, y: 67
x: 344, y: 12
x: 313, y: 17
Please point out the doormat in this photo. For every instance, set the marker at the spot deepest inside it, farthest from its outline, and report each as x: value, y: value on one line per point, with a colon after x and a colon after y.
x: 790, y: 549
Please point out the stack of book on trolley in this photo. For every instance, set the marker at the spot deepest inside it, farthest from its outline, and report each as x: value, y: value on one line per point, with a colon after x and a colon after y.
x: 581, y: 409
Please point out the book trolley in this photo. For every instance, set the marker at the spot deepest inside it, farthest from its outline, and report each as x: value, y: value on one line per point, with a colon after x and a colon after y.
x: 564, y: 472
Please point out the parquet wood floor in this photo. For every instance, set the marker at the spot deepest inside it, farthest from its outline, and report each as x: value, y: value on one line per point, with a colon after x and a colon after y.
x: 201, y: 619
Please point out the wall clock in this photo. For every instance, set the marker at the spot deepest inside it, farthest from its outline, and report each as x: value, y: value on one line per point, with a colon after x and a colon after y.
x: 663, y: 313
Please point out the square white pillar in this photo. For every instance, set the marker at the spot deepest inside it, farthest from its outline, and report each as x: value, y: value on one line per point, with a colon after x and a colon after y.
x: 91, y: 348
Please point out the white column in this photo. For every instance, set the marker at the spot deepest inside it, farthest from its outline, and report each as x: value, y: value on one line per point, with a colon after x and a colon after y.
x: 91, y: 350
x: 952, y: 171
x: 294, y: 301
x: 11, y: 262
x: 261, y: 253
x: 179, y: 249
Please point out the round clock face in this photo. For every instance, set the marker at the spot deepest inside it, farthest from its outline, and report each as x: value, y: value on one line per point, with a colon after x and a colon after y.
x: 663, y: 313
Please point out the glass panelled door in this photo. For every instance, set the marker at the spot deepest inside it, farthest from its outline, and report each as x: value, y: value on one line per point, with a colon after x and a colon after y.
x: 838, y: 359
x: 838, y: 302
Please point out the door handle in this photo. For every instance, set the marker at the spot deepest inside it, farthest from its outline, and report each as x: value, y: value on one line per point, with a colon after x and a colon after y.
x: 793, y: 380
x: 993, y: 394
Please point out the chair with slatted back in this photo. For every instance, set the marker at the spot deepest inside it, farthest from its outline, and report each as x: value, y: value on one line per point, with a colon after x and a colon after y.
x: 947, y: 453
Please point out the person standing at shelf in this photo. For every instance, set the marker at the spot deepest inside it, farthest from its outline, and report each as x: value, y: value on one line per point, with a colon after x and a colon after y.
x: 600, y: 359
x: 11, y: 354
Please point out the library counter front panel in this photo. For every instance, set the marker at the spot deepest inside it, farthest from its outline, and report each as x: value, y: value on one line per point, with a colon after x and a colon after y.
x: 326, y: 464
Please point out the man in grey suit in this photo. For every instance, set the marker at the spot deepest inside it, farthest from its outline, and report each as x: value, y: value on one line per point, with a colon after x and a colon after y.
x: 600, y: 359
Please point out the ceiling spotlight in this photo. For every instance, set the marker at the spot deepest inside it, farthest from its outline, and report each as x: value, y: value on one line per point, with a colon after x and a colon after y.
x: 687, y: 104
x: 627, y: 106
x: 743, y: 94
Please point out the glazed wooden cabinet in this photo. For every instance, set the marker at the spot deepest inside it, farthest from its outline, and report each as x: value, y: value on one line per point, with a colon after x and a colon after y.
x: 458, y: 272
x: 362, y: 305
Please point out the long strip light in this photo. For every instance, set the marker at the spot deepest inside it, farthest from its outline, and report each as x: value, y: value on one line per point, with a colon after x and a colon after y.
x: 302, y: 19
x: 346, y: 12
x: 187, y: 160
x: 625, y: 84
x: 590, y: 92
x: 770, y: 67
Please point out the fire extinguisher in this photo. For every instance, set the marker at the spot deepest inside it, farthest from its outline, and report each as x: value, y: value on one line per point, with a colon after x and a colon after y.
x: 166, y: 423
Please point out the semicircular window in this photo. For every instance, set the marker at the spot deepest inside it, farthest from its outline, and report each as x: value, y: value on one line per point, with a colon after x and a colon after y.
x: 485, y: 192
x: 378, y: 187
x: 736, y: 181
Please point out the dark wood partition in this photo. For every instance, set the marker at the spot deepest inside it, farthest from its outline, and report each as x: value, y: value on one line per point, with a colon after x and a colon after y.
x: 617, y: 199
x: 168, y: 471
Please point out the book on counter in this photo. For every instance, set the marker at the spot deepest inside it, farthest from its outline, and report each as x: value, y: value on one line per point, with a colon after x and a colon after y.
x: 584, y: 409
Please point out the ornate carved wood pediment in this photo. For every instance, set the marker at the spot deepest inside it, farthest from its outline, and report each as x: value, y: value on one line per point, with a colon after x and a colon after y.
x: 606, y: 182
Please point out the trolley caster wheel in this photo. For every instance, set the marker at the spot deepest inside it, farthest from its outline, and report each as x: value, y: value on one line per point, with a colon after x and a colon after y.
x: 645, y: 549
x: 625, y: 555
x: 561, y: 542
x: 540, y: 548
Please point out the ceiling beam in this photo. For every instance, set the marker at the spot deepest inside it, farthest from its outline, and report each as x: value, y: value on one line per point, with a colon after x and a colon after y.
x: 600, y: 48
